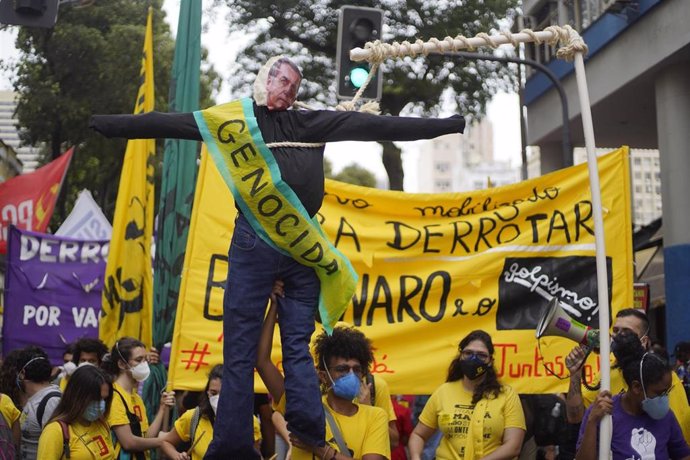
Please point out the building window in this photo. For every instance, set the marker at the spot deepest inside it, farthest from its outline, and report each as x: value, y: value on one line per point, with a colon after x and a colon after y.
x: 442, y: 185
x: 442, y: 166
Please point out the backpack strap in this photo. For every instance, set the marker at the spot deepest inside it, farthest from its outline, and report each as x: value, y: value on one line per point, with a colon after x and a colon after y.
x: 195, y: 424
x: 65, y: 438
x: 134, y: 424
x: 40, y: 411
x: 342, y: 445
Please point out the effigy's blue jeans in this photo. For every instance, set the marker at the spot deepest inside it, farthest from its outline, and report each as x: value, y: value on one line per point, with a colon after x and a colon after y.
x: 253, y: 268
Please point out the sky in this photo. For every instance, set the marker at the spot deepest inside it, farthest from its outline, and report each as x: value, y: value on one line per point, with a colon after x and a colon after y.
x: 503, y: 110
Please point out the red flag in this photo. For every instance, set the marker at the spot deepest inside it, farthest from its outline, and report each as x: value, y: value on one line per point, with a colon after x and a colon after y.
x: 27, y: 201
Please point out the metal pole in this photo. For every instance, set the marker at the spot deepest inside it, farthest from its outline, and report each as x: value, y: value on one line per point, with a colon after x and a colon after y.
x: 565, y: 137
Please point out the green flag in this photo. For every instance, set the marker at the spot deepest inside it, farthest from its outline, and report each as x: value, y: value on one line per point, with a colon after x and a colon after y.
x: 177, y: 191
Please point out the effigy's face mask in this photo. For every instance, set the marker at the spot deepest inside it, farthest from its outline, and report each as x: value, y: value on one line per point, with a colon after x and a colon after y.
x: 277, y: 84
x: 281, y: 88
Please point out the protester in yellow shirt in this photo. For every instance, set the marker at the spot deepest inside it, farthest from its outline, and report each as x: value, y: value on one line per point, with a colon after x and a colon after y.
x: 478, y: 416
x: 128, y: 420
x: 195, y: 426
x: 80, y: 418
x: 343, y: 359
x: 374, y: 392
x: 10, y: 413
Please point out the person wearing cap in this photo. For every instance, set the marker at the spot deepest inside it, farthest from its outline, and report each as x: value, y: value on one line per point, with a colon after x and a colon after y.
x: 627, y: 320
x: 278, y: 189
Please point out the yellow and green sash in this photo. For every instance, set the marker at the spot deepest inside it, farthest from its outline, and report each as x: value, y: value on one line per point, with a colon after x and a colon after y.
x: 249, y: 169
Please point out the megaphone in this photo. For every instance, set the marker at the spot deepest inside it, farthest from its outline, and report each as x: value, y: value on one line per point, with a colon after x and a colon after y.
x: 557, y: 322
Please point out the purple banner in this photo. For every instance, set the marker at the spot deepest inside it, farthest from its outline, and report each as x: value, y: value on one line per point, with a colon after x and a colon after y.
x: 53, y: 290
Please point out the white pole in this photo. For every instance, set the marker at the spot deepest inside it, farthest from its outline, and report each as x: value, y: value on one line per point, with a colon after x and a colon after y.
x: 602, y: 278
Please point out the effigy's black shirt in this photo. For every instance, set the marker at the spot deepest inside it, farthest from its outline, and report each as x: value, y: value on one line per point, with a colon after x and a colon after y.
x: 300, y: 167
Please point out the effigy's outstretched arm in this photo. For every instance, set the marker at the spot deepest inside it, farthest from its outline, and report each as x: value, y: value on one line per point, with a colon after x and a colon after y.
x: 150, y: 125
x: 335, y: 126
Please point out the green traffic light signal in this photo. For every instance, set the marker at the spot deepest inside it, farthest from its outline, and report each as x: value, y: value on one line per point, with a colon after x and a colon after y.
x: 358, y: 76
x: 357, y: 25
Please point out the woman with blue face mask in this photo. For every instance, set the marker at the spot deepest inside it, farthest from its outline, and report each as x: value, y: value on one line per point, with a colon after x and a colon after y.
x: 343, y: 359
x: 643, y: 425
x: 78, y: 428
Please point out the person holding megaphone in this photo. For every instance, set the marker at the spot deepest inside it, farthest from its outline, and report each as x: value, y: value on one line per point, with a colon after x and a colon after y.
x: 643, y: 426
x: 628, y: 320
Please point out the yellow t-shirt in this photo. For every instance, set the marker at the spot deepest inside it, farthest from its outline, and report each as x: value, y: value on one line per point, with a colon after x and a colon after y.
x: 382, y: 398
x: 470, y: 431
x: 118, y: 414
x: 90, y: 442
x: 365, y: 432
x: 676, y: 398
x: 9, y: 410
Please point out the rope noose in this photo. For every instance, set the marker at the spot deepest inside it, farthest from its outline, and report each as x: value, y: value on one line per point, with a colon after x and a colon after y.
x: 572, y: 43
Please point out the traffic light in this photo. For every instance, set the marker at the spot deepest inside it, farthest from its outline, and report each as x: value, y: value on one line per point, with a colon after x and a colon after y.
x: 29, y: 13
x: 356, y: 26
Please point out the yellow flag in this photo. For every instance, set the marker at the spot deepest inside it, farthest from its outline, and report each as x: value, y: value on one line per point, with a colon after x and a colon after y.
x: 128, y: 289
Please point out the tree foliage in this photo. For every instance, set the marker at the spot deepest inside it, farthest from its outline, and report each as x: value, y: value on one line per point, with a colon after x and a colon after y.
x: 357, y: 175
x: 306, y: 30
x: 351, y: 174
x: 89, y: 63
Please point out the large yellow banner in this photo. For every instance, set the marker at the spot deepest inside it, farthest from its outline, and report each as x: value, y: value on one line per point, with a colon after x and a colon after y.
x: 128, y: 287
x: 434, y: 267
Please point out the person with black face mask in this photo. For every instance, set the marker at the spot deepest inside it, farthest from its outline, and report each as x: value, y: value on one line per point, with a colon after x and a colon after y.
x: 478, y: 416
x: 643, y: 425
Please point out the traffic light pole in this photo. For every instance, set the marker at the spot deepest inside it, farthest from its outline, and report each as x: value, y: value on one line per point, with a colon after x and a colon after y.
x: 565, y: 133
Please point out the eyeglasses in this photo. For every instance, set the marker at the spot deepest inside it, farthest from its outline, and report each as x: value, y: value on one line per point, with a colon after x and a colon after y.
x: 344, y: 369
x: 480, y: 355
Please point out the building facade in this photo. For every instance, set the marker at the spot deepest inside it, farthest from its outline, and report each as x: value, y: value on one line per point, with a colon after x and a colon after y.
x: 638, y: 75
x: 461, y: 163
x: 29, y: 156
